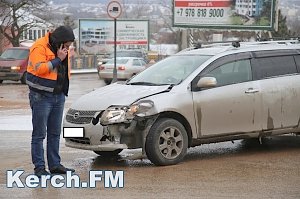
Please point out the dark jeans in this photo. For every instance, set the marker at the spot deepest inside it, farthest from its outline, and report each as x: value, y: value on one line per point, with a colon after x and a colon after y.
x: 47, y: 112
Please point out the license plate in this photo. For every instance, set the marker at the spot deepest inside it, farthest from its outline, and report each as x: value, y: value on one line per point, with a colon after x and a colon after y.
x: 73, y: 132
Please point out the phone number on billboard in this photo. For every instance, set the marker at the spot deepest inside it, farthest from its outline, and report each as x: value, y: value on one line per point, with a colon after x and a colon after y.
x: 191, y: 12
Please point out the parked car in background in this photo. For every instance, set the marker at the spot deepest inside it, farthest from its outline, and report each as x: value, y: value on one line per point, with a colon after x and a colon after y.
x: 126, y: 53
x: 13, y: 64
x: 199, y: 96
x: 126, y: 68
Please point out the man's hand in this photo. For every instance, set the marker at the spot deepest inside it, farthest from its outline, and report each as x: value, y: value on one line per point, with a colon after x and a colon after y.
x: 62, y: 52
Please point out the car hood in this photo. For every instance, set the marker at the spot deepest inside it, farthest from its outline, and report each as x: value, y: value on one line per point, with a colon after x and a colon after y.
x: 115, y: 94
x: 10, y: 62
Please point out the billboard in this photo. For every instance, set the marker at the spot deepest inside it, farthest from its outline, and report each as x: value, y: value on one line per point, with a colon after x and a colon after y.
x: 96, y: 36
x: 224, y: 14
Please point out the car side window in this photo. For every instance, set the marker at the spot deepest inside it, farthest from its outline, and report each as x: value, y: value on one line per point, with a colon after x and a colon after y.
x: 266, y: 67
x: 232, y: 72
x: 297, y: 59
x: 143, y: 62
x: 136, y: 62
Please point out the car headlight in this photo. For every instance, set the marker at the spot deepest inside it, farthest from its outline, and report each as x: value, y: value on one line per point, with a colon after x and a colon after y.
x: 114, y: 114
x: 141, y: 108
x: 15, y: 68
x: 124, y: 114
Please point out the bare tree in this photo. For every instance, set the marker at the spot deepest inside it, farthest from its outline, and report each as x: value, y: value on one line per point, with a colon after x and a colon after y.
x: 125, y: 7
x: 69, y: 21
x: 167, y: 19
x: 139, y: 8
x: 16, y: 18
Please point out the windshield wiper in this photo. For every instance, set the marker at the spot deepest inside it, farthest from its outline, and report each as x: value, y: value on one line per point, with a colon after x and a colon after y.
x: 8, y: 58
x: 143, y: 83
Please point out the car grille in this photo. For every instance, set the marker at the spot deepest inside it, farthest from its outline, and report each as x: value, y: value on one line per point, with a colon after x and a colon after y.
x: 80, y: 117
x: 80, y: 140
x: 5, y: 69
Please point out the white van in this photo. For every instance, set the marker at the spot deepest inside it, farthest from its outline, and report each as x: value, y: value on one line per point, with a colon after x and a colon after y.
x: 197, y: 96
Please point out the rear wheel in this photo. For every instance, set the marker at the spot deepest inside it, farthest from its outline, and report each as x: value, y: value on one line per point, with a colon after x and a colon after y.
x: 107, y: 81
x: 1, y: 81
x: 109, y: 153
x: 166, y: 142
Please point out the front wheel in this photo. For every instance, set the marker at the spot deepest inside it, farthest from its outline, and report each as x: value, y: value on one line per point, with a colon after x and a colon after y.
x: 23, y: 78
x: 166, y: 142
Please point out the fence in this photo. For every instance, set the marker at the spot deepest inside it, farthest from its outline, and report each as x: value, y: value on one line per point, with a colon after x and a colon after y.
x: 85, y: 61
x: 91, y: 61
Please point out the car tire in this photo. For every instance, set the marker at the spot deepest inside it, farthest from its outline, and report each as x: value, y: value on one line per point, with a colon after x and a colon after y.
x: 23, y: 78
x: 108, y: 153
x: 166, y: 142
x: 1, y: 81
x: 107, y: 81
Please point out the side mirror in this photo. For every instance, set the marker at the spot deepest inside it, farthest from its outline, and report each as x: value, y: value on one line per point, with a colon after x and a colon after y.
x: 207, y: 82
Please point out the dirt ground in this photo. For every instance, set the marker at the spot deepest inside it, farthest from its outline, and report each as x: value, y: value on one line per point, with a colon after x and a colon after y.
x: 243, y: 169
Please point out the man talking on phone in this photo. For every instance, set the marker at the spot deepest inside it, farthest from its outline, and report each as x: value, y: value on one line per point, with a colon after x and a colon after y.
x: 48, y: 74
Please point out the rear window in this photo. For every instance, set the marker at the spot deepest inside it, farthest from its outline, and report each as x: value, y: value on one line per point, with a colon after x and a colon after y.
x: 15, y: 54
x: 273, y: 66
x: 118, y: 61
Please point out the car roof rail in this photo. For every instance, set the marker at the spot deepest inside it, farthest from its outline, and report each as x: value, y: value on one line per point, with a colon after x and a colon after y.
x: 285, y: 42
x: 279, y: 38
x: 240, y: 43
x: 233, y: 43
x: 198, y: 45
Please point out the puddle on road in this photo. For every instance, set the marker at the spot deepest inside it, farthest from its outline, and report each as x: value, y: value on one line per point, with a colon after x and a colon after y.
x: 127, y: 158
x: 132, y: 158
x: 240, y: 147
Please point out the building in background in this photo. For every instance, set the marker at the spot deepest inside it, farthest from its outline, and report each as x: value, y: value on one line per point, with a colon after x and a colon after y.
x: 251, y: 8
x: 95, y: 35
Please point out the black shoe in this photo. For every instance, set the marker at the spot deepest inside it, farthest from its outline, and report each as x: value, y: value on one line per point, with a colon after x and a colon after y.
x: 60, y: 170
x: 40, y: 171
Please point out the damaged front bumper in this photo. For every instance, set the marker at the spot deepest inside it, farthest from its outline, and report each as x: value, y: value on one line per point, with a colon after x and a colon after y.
x: 112, y: 137
x: 100, y: 147
x: 133, y: 134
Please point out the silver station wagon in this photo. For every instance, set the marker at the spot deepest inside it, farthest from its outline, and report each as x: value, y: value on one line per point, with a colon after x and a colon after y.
x: 198, y: 96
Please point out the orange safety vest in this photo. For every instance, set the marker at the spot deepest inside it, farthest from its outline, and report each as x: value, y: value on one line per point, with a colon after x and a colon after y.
x: 40, y: 72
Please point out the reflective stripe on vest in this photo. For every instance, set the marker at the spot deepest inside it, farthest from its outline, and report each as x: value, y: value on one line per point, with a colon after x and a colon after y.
x: 36, y: 67
x: 40, y: 83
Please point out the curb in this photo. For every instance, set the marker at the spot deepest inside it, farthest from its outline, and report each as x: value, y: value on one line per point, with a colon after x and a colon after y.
x: 83, y: 71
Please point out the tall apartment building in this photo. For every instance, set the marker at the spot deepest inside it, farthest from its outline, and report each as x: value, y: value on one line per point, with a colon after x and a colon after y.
x: 250, y: 8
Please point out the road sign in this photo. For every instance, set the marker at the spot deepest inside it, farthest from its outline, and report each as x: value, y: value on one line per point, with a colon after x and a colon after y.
x: 114, y: 9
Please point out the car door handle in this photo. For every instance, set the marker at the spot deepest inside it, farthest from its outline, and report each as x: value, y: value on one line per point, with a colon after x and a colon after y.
x: 251, y: 90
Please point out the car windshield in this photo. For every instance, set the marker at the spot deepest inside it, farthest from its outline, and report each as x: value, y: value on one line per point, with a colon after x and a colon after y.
x: 15, y: 54
x: 172, y: 70
x: 118, y: 61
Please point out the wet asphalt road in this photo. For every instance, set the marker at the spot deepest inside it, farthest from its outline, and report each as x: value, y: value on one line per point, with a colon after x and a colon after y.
x: 243, y: 169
